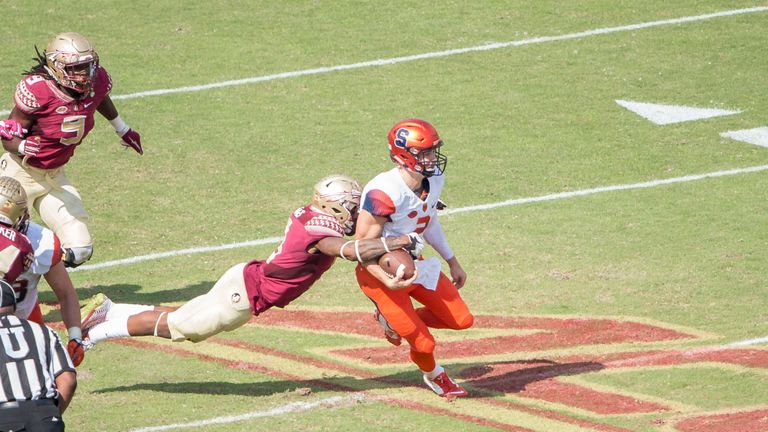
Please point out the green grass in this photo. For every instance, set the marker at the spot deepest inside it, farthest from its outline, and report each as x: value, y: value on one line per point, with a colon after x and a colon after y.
x: 228, y: 165
x: 710, y: 388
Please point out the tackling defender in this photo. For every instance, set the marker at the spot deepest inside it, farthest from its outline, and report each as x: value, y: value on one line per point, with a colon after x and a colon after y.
x: 406, y: 199
x: 314, y: 237
x: 54, y: 111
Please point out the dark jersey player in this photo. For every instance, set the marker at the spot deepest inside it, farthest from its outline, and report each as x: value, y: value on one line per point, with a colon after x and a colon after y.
x: 313, y: 239
x: 54, y: 108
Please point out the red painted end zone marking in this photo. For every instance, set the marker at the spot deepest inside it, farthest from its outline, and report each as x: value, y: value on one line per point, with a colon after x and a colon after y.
x: 319, y: 383
x: 535, y: 378
x: 469, y: 419
x: 749, y: 421
x: 553, y: 333
x: 538, y: 380
x: 483, y: 396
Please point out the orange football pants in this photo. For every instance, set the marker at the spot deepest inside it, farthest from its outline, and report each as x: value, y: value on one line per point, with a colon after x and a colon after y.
x: 443, y: 309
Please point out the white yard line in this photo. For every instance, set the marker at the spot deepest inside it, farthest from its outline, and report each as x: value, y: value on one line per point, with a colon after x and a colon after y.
x: 280, y: 410
x: 436, y: 54
x: 518, y: 201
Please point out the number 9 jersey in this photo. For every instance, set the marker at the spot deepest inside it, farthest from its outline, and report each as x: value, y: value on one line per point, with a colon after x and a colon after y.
x: 61, y: 121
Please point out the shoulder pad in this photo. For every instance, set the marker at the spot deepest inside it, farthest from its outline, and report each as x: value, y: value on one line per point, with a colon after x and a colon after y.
x: 25, y: 99
x: 324, y: 224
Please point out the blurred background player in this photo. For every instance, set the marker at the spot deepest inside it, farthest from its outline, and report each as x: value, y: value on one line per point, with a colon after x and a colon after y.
x: 47, y: 263
x: 16, y: 253
x: 314, y: 237
x: 402, y: 200
x: 36, y: 375
x: 24, y: 258
x: 54, y: 111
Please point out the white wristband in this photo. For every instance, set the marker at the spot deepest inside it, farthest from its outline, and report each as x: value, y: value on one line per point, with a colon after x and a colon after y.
x: 21, y: 147
x: 120, y: 127
x: 341, y: 250
x: 357, y: 251
x: 75, y: 333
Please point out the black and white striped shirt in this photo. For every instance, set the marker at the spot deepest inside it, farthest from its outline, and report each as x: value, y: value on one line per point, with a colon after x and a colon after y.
x: 31, y: 357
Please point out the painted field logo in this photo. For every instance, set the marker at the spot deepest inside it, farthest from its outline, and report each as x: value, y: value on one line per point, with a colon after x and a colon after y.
x: 540, y: 365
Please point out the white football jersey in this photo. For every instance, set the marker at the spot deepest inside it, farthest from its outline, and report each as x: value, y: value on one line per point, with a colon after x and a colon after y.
x: 47, y: 253
x: 388, y: 195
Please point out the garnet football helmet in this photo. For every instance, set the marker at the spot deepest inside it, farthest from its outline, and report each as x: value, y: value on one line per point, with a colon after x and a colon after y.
x: 13, y: 204
x: 72, y: 61
x: 339, y: 196
x: 414, y: 144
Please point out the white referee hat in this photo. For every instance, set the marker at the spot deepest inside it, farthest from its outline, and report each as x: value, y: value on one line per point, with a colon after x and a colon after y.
x: 7, y: 296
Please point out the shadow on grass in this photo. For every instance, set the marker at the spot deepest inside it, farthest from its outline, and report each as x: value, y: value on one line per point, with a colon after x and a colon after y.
x: 481, y: 379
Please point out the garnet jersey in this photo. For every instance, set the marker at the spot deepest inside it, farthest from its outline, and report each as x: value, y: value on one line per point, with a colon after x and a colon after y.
x: 15, y: 253
x: 61, y: 121
x: 296, y: 263
x: 47, y: 253
x: 388, y: 196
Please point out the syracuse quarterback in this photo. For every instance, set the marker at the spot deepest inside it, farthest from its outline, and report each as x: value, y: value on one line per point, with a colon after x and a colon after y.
x: 54, y: 111
x: 402, y: 200
x: 314, y: 237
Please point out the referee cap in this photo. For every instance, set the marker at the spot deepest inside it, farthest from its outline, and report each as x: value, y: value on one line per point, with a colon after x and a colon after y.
x: 7, y: 296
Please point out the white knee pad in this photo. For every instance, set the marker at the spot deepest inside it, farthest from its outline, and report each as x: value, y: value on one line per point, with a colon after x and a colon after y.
x: 75, y: 256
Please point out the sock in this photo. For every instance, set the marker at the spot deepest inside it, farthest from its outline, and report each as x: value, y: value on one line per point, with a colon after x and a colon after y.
x: 114, y: 328
x: 434, y: 372
x: 120, y: 310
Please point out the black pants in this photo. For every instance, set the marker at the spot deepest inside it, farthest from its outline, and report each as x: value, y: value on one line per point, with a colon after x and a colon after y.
x: 31, y: 416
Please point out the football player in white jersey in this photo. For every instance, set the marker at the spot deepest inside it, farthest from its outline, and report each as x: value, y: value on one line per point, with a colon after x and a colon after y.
x: 402, y: 200
x: 48, y: 263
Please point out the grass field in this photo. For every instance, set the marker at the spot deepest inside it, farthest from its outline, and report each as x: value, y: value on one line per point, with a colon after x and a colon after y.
x: 605, y: 301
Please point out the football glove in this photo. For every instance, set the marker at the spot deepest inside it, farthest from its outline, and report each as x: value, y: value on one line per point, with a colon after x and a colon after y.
x: 30, y: 147
x: 76, y: 351
x: 10, y: 128
x: 131, y: 139
x: 416, y: 246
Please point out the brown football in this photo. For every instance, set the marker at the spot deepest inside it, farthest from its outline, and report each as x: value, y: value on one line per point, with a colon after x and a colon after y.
x: 391, y: 261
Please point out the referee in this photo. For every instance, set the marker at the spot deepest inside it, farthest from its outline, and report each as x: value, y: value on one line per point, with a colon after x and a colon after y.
x: 38, y: 378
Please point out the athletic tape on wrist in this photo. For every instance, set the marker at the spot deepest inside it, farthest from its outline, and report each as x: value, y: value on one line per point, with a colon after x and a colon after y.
x: 75, y: 333
x: 119, y: 125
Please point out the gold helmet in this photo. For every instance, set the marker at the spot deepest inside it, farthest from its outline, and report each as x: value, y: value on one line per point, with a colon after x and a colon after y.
x: 13, y: 204
x: 72, y: 61
x: 339, y: 196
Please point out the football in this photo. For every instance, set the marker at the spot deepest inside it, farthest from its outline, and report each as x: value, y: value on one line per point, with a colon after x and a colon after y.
x: 390, y: 262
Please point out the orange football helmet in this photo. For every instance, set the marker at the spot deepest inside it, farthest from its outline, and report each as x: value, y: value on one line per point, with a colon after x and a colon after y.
x: 415, y: 145
x: 72, y: 61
